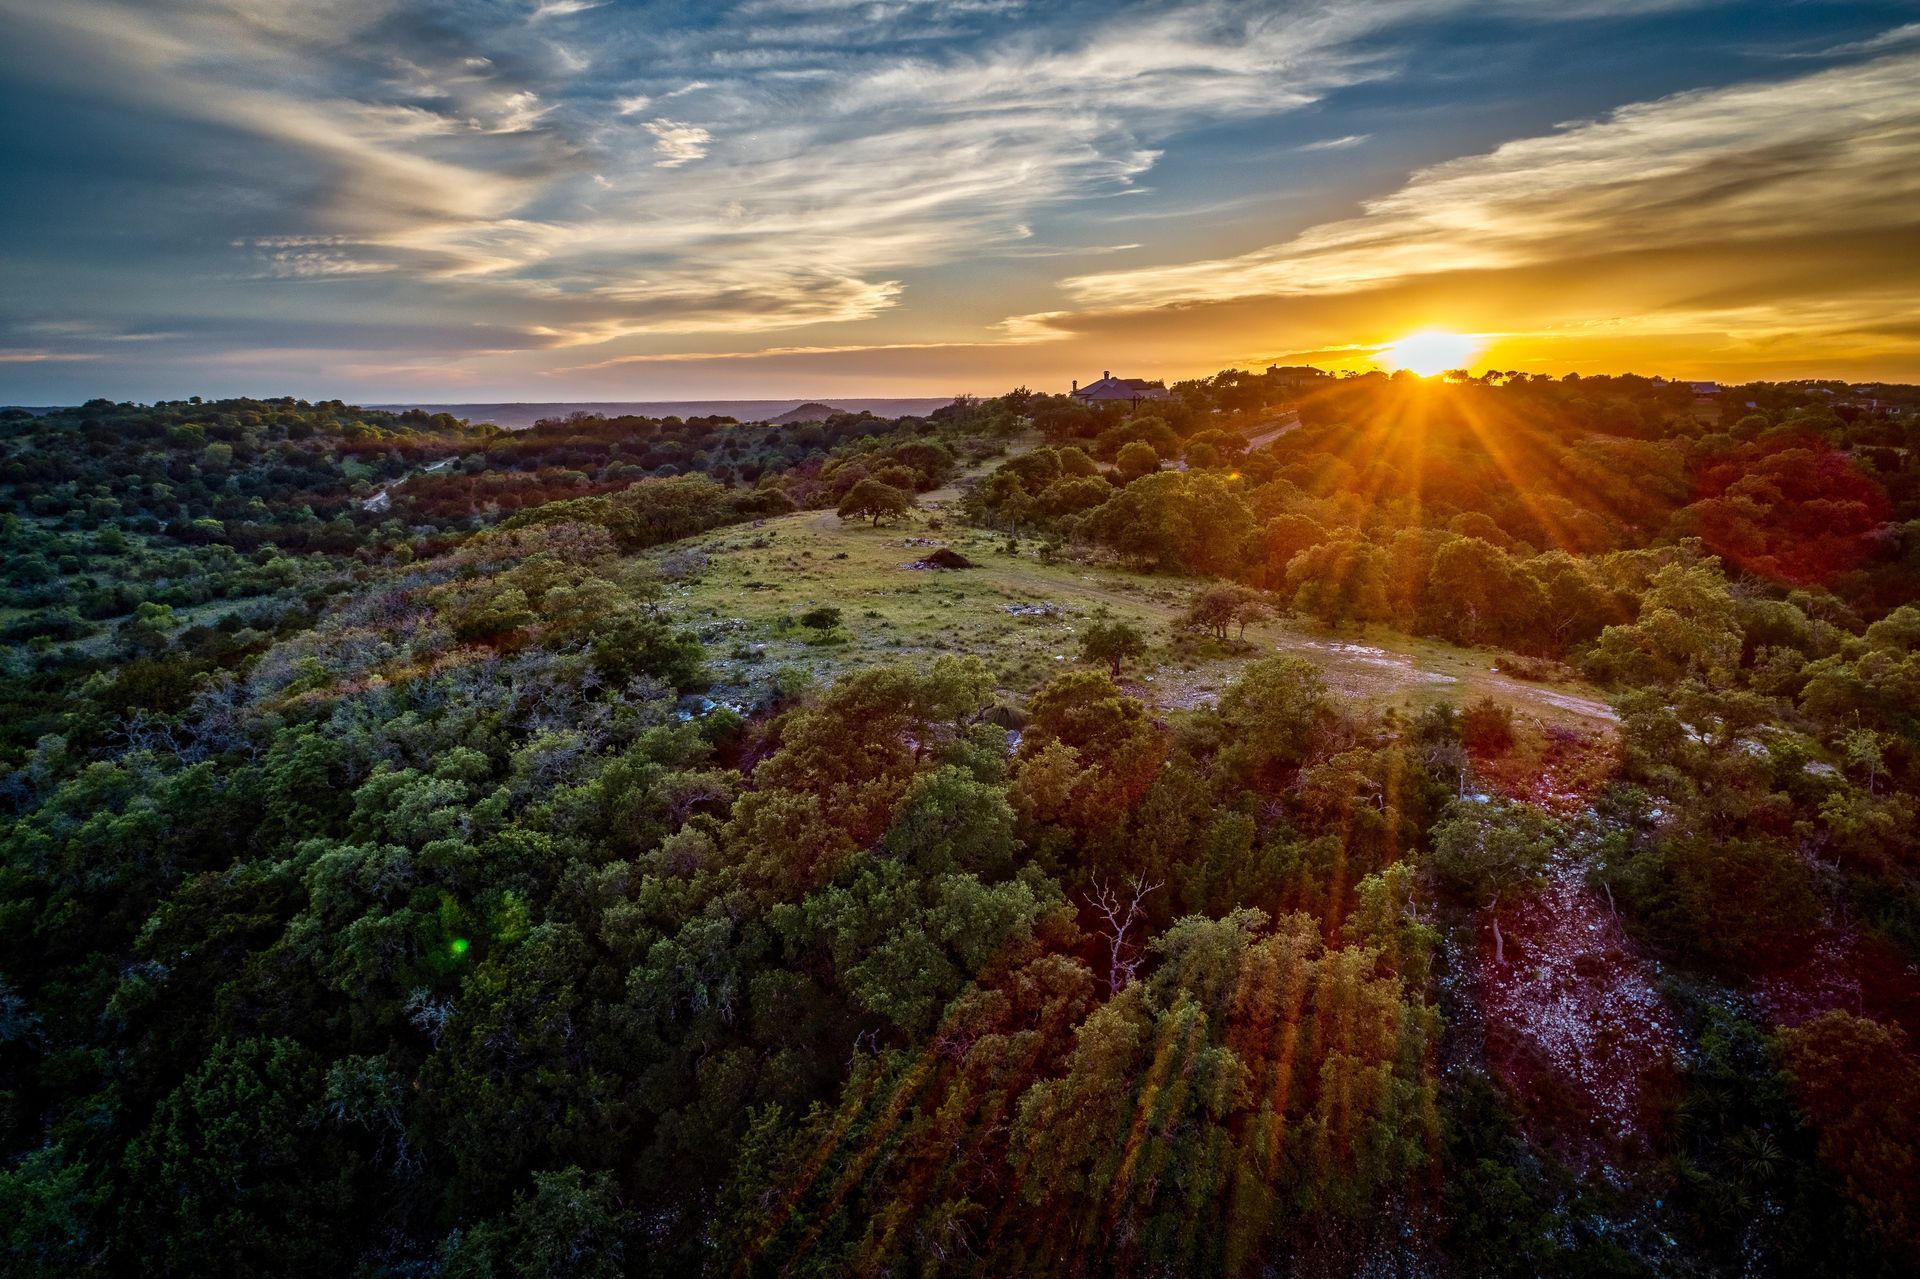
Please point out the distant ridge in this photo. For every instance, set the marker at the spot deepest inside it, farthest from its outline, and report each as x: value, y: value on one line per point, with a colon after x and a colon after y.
x: 518, y: 416
x: 811, y: 411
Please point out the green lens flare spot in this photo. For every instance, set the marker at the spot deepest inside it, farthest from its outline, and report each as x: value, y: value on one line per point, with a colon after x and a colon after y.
x: 458, y: 946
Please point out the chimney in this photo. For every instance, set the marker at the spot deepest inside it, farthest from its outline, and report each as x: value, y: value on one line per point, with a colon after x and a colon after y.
x: 1076, y: 384
x: 1107, y: 374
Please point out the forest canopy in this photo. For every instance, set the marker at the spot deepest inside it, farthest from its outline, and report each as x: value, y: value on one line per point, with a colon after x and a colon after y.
x: 397, y: 877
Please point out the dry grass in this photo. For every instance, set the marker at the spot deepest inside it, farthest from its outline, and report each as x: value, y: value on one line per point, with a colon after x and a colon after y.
x: 761, y: 576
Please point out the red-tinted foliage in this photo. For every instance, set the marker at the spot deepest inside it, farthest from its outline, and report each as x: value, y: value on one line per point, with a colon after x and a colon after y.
x: 1796, y: 511
x: 1845, y: 969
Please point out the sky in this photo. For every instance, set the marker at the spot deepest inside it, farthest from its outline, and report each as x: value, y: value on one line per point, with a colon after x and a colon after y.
x: 480, y: 200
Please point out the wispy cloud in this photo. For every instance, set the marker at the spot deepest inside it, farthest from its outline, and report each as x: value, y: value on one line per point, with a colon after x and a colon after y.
x: 1895, y: 38
x: 88, y: 331
x: 779, y: 352
x: 561, y: 8
x: 44, y: 357
x: 481, y: 160
x: 1337, y: 144
x: 314, y: 257
x: 678, y: 142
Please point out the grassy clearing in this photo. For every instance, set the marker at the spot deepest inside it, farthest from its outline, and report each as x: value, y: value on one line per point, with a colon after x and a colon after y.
x: 1024, y: 617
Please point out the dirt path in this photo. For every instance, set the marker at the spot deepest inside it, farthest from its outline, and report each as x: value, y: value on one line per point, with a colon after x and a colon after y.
x: 381, y: 497
x: 1271, y: 431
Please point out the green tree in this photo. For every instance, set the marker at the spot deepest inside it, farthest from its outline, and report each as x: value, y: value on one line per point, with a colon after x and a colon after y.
x: 235, y: 1175
x: 1276, y: 711
x: 950, y: 822
x: 1112, y: 642
x: 1687, y: 627
x: 1340, y: 581
x: 570, y: 1226
x: 1476, y: 593
x: 1483, y: 851
x: 1860, y: 1091
x: 1217, y: 609
x: 1136, y: 459
x: 872, y: 500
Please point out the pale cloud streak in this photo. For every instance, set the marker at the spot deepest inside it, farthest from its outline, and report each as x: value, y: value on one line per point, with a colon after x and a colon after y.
x: 561, y: 8
x: 1337, y: 144
x: 44, y: 357
x: 677, y: 142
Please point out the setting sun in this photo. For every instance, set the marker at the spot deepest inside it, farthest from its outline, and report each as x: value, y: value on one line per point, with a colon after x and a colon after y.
x: 1431, y: 351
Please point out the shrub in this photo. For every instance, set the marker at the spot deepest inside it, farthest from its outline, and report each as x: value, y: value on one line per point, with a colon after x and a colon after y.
x: 1486, y: 725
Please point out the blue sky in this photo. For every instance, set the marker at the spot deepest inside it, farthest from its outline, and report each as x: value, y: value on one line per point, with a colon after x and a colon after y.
x: 561, y: 199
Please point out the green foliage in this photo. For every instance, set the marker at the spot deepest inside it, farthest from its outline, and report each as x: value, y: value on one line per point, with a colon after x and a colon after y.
x: 1487, y: 725
x: 823, y: 618
x: 1217, y: 609
x: 1111, y: 642
x: 1135, y: 460
x: 1175, y: 521
x: 875, y: 501
x: 636, y: 645
x: 570, y: 1226
x: 1276, y: 711
x: 375, y: 903
x: 1860, y: 1091
x: 1483, y: 851
x: 1686, y: 629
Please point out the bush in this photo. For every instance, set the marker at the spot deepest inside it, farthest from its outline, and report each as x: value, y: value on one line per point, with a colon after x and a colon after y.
x: 1540, y: 670
x: 1487, y: 726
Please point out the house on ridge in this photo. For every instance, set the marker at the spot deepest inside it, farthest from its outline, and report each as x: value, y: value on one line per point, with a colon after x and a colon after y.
x: 1120, y: 390
x: 1294, y: 377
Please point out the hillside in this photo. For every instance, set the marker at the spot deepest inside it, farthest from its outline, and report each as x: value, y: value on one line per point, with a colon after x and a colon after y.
x: 1023, y: 617
x: 809, y: 412
x: 1409, y: 827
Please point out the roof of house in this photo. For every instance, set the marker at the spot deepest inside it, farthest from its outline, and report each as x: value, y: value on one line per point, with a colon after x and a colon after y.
x: 1110, y: 387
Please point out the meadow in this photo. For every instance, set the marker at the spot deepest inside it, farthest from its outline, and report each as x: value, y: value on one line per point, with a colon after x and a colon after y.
x: 1023, y: 615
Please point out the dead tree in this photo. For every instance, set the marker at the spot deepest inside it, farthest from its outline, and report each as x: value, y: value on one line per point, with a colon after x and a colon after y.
x: 1121, y: 908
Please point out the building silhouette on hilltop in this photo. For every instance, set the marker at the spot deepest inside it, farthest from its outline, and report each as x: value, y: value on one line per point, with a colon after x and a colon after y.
x: 1120, y: 390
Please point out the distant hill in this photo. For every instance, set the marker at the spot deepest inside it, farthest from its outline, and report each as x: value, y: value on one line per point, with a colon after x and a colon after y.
x: 811, y: 411
x: 518, y: 416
